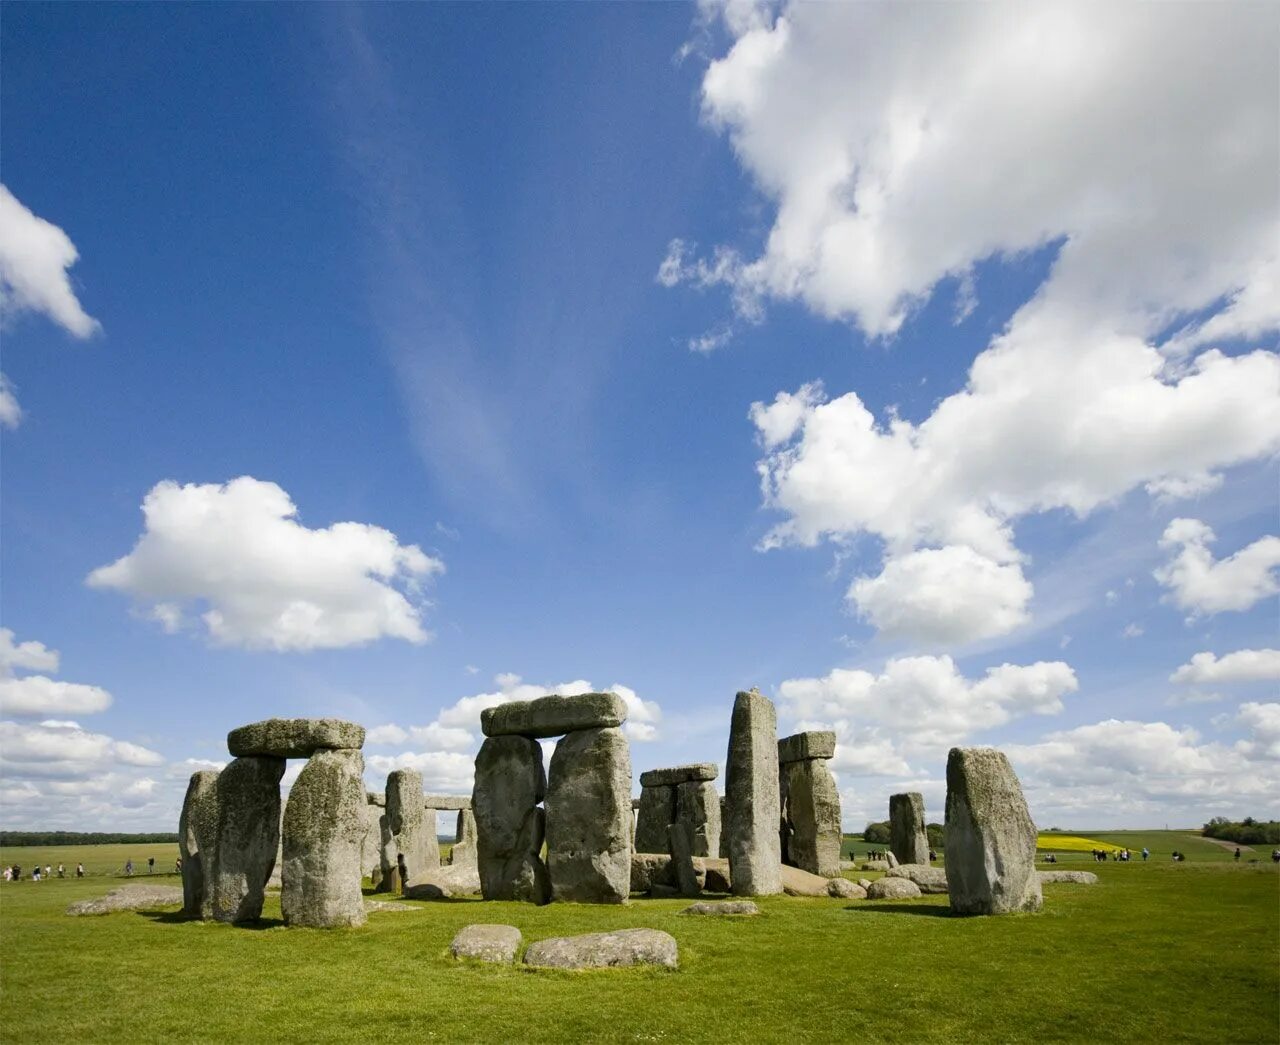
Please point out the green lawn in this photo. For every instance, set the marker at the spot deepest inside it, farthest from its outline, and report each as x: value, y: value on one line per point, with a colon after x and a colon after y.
x: 1185, y: 952
x: 97, y: 859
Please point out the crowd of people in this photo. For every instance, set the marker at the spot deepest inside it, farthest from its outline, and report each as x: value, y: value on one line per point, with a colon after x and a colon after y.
x: 13, y: 872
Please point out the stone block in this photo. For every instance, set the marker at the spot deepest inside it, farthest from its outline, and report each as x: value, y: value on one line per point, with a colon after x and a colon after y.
x: 605, y: 950
x: 812, y: 817
x: 751, y: 797
x: 698, y: 809
x: 412, y: 824
x: 554, y: 716
x: 487, y: 943
x: 893, y: 889
x: 682, y: 860
x: 909, y: 841
x: 722, y: 907
x: 197, y: 835
x: 294, y: 737
x: 679, y: 774
x: 657, y: 810
x: 815, y: 743
x: 248, y: 836
x: 510, y: 828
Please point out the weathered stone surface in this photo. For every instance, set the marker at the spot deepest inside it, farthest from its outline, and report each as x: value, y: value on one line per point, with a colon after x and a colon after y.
x: 324, y: 829
x: 865, y: 883
x: 929, y: 879
x: 444, y: 882
x: 698, y: 809
x: 648, y: 868
x: 815, y: 743
x: 873, y: 865
x: 248, y: 834
x: 751, y: 797
x: 657, y: 810
x: 843, y: 889
x: 487, y: 943
x: 813, y: 815
x: 724, y: 829
x: 1074, y: 877
x: 908, y: 840
x: 371, y: 845
x: 294, y: 737
x: 412, y: 824
x: 446, y: 803
x: 129, y: 898
x: 388, y: 873
x: 796, y: 882
x: 890, y: 859
x: 893, y: 889
x: 509, y: 783
x: 679, y: 774
x: 605, y: 950
x: 716, y: 874
x: 377, y: 798
x: 589, y: 817
x: 682, y: 860
x: 378, y: 906
x: 197, y: 829
x: 463, y: 853
x: 722, y: 907
x: 554, y: 716
x: 990, y: 838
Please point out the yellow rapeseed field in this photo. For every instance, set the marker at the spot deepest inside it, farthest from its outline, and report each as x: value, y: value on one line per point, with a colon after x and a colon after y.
x: 1074, y: 844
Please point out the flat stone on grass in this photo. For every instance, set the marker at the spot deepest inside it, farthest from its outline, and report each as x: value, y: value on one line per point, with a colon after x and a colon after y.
x: 843, y: 889
x: 487, y: 943
x: 1074, y: 877
x: 129, y: 898
x: 893, y: 889
x: 797, y: 882
x: 554, y: 716
x: 929, y: 879
x: 624, y: 947
x: 294, y: 737
x: 725, y: 907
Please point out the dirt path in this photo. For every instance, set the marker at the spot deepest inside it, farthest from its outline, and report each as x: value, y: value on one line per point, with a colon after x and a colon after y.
x: 1225, y: 845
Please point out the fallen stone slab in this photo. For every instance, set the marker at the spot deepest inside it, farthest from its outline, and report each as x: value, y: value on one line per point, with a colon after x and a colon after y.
x: 444, y: 882
x: 815, y: 743
x: 446, y: 803
x: 864, y: 882
x: 129, y: 898
x: 294, y: 737
x: 874, y: 865
x: 1075, y: 877
x: 725, y: 907
x: 375, y: 906
x: 679, y: 774
x: 843, y: 889
x: 796, y: 882
x: 605, y: 950
x: 893, y: 889
x: 848, y: 865
x: 487, y: 943
x: 554, y: 716
x: 929, y: 879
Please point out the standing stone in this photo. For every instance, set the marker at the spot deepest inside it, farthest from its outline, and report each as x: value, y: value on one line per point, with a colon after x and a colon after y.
x: 197, y: 832
x: 388, y: 880
x: 990, y: 838
x: 698, y: 809
x: 813, y: 816
x: 412, y: 825
x: 724, y: 829
x: 657, y: 810
x: 751, y: 794
x: 589, y: 817
x: 509, y: 784
x: 682, y: 860
x: 463, y: 853
x: 909, y: 840
x: 248, y: 835
x: 324, y: 828
x: 371, y: 846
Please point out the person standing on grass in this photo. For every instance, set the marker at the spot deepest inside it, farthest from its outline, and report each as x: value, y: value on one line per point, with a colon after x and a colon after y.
x: 79, y: 870
x: 128, y: 867
x: 151, y: 865
x: 62, y: 871
x: 17, y: 872
x: 177, y: 866
x: 8, y: 873
x: 1237, y: 854
x: 1145, y: 853
x: 35, y: 873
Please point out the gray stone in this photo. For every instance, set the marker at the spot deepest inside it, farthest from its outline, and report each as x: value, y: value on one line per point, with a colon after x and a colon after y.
x: 379, y: 906
x: 463, y: 853
x: 129, y: 898
x: 682, y: 860
x: 294, y: 737
x: 377, y: 798
x: 679, y: 774
x: 554, y: 716
x: 929, y: 879
x: 412, y: 825
x: 752, y: 800
x: 1073, y: 877
x: 371, y: 846
x: 487, y: 943
x: 444, y: 882
x: 197, y: 830
x: 816, y: 743
x: 724, y: 830
x: 796, y: 882
x: 248, y: 835
x: 716, y: 874
x: 843, y: 889
x: 388, y: 874
x: 722, y: 907
x: 657, y: 810
x: 698, y: 809
x: 893, y: 889
x: 990, y: 837
x: 589, y: 817
x: 605, y: 950
x: 446, y: 803
x: 909, y: 841
x: 650, y: 868
x: 324, y: 828
x: 865, y: 883
x: 813, y: 816
x: 509, y: 784
x: 873, y: 865
x: 890, y: 859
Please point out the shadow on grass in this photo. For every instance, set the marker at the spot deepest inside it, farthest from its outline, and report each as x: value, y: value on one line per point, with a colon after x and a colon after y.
x: 178, y: 918
x: 927, y: 911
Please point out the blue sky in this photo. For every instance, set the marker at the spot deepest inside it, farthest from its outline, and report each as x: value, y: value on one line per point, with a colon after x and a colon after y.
x: 840, y: 351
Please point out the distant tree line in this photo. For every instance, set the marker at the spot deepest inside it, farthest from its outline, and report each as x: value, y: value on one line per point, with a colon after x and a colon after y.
x: 878, y: 834
x: 8, y: 838
x: 1244, y: 832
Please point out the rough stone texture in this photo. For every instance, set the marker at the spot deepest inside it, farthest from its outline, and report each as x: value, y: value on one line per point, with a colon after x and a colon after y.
x: 751, y: 794
x: 650, y: 868
x: 605, y: 950
x: 873, y: 865
x: 843, y: 889
x: 371, y: 846
x: 682, y: 860
x: 990, y: 838
x: 848, y: 865
x: 695, y: 771
x: 893, y: 889
x: 388, y: 874
x: 294, y: 737
x: 324, y: 828
x: 378, y: 798
x: 698, y: 809
x: 487, y: 943
x: 908, y: 840
x: 657, y: 810
x: 865, y: 883
x: 797, y: 882
x: 554, y: 716
x: 197, y: 829
x: 722, y: 907
x: 589, y: 817
x: 445, y: 882
x: 463, y: 853
x: 816, y: 743
x: 724, y: 829
x: 376, y: 906
x: 129, y: 898
x: 247, y: 838
x: 446, y: 803
x: 716, y: 871
x: 890, y: 859
x: 509, y: 783
x: 929, y: 879
x: 412, y: 824
x: 1075, y: 877
x: 813, y: 815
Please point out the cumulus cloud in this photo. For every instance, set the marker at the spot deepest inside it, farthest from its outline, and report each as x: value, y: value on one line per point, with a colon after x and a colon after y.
x: 1246, y: 665
x: 60, y: 749
x: 30, y: 655
x: 1204, y: 585
x: 10, y: 409
x: 269, y: 582
x: 38, y: 695
x: 1263, y: 723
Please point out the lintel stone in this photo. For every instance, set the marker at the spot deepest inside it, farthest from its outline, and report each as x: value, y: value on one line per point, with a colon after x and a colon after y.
x: 441, y: 803
x: 816, y: 743
x: 679, y: 774
x: 554, y: 716
x: 294, y: 737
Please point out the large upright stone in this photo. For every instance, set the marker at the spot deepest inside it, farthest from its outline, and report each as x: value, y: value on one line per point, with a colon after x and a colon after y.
x: 509, y: 784
x: 589, y: 817
x: 371, y: 847
x: 698, y: 809
x: 682, y: 860
x: 813, y: 817
x: 463, y: 853
x: 554, y: 716
x: 248, y: 835
x: 324, y: 828
x: 908, y: 838
x: 412, y: 825
x: 294, y: 737
x: 990, y: 838
x: 197, y: 834
x: 657, y: 811
x: 751, y: 797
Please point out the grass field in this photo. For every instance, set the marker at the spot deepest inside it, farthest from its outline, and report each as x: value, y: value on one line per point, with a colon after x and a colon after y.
x: 1161, y: 951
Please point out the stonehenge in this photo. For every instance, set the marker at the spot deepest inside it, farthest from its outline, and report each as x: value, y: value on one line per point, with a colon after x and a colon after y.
x: 248, y: 800
x: 197, y: 831
x: 412, y: 826
x: 510, y: 824
x: 908, y: 840
x: 681, y: 794
x: 810, y: 803
x: 752, y: 797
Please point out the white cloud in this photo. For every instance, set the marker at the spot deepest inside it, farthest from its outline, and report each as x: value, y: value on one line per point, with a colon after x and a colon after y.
x: 1263, y: 722
x: 1133, y: 631
x: 1246, y: 665
x: 39, y: 695
x: 10, y: 410
x: 63, y: 750
x: 268, y: 581
x: 443, y: 772
x: 34, y: 258
x: 1203, y: 585
x: 30, y: 655
x: 389, y: 734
